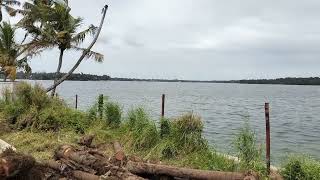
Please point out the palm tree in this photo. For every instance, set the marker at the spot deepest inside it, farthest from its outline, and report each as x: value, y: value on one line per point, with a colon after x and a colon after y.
x: 58, y: 29
x: 8, y: 53
x: 7, y: 5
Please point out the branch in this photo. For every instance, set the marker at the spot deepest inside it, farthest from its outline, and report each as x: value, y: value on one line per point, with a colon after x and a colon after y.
x: 84, y: 54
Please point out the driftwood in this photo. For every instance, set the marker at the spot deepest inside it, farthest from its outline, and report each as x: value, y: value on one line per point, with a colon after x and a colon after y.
x: 156, y: 169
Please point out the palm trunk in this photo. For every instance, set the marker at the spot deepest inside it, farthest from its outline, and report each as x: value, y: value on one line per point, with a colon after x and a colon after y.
x: 57, y: 75
x: 85, y: 52
x: 0, y: 14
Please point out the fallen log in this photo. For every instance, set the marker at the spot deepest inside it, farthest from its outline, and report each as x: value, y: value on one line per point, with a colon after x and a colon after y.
x: 119, y: 153
x: 4, y: 145
x: 13, y: 164
x: 86, y: 140
x: 156, y: 169
x: 101, y: 165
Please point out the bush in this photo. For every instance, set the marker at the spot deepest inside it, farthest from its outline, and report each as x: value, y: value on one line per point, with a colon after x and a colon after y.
x: 143, y: 130
x: 30, y: 107
x: 113, y: 114
x: 247, y: 150
x: 300, y: 168
x: 165, y: 127
x: 187, y: 133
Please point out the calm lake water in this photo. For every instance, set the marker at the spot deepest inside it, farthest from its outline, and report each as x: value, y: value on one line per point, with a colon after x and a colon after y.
x: 295, y: 120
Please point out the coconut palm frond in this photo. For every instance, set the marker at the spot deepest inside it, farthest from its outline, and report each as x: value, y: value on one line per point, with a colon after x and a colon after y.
x: 11, y: 2
x: 91, y: 54
x: 80, y: 37
x: 11, y: 11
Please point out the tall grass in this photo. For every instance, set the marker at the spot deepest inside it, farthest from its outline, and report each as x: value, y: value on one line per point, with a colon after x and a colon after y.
x: 29, y: 107
x: 248, y: 151
x: 298, y: 167
x: 108, y: 111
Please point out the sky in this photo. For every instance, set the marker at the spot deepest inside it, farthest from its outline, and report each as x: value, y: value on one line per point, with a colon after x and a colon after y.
x: 198, y: 39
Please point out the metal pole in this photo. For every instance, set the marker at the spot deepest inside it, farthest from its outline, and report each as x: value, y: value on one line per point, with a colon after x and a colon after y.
x: 76, y: 101
x: 266, y: 107
x: 162, y: 106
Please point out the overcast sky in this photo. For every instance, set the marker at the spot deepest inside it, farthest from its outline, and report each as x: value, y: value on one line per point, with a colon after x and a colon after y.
x: 199, y: 39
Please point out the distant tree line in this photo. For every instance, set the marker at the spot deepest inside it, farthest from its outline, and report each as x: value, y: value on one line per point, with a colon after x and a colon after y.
x: 286, y: 81
x: 52, y: 76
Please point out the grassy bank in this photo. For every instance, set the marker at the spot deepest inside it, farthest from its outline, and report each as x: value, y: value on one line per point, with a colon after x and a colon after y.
x: 37, y: 124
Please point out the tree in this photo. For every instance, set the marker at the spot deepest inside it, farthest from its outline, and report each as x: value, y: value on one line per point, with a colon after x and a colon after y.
x: 58, y: 29
x: 85, y: 53
x: 7, y: 5
x: 8, y: 53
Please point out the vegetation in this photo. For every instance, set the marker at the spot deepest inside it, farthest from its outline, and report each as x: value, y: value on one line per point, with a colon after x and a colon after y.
x: 51, y: 76
x: 35, y: 117
x: 286, y: 81
x: 9, y: 50
x: 299, y: 167
x: 30, y: 108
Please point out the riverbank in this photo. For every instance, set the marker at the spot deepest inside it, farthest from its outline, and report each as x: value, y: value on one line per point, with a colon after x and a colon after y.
x: 37, y: 124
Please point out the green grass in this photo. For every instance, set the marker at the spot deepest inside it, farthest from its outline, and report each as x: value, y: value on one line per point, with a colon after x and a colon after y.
x: 298, y: 167
x: 39, y: 144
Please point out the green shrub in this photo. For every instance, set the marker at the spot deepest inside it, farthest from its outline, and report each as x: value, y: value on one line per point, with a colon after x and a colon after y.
x: 300, y: 168
x: 247, y: 149
x: 187, y: 133
x: 113, y: 114
x: 30, y: 107
x: 165, y: 127
x: 100, y: 106
x: 142, y: 129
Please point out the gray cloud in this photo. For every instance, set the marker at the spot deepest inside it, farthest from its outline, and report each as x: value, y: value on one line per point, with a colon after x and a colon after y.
x: 201, y: 39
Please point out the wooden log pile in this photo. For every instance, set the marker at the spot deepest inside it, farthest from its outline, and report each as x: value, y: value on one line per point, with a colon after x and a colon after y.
x: 88, y: 163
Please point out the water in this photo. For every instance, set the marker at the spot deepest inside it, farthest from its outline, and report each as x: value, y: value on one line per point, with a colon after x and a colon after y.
x: 295, y: 123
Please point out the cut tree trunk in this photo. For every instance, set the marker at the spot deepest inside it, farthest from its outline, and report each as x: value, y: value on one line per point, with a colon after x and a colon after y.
x: 155, y: 169
x: 4, y: 145
x: 119, y: 153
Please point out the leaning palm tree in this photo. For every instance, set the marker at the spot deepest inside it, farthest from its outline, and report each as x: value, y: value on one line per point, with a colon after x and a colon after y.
x: 8, y: 53
x: 7, y: 5
x: 58, y: 29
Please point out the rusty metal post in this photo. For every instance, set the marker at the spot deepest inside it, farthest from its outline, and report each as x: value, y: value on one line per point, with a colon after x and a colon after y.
x: 266, y: 107
x: 76, y: 101
x: 162, y: 106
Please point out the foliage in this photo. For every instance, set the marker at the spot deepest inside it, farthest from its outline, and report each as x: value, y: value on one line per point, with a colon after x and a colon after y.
x: 30, y: 107
x: 187, y: 132
x: 9, y: 50
x: 247, y: 150
x: 100, y: 106
x: 142, y: 129
x: 113, y: 114
x: 301, y: 167
x: 165, y: 127
x: 8, y: 6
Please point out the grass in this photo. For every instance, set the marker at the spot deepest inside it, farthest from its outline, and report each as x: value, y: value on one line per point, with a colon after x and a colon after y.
x: 37, y: 124
x: 39, y: 144
x: 298, y: 167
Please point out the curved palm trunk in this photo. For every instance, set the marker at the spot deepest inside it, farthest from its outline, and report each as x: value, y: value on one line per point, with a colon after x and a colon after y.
x: 85, y: 52
x: 57, y: 75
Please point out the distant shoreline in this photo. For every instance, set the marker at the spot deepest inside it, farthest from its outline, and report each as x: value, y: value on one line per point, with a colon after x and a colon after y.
x: 89, y: 77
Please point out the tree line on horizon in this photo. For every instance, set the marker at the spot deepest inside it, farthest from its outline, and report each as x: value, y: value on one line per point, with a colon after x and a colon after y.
x: 46, y: 24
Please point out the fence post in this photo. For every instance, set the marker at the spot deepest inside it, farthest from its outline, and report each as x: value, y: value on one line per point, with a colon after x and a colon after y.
x: 266, y: 107
x: 162, y: 105
x: 76, y: 101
